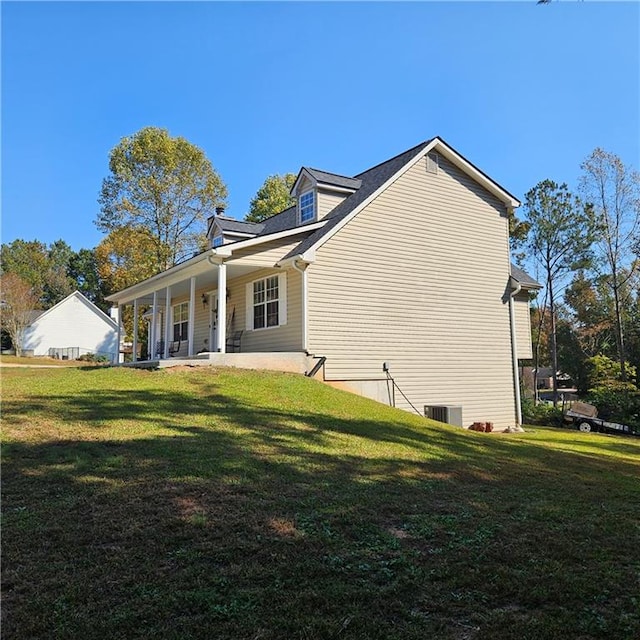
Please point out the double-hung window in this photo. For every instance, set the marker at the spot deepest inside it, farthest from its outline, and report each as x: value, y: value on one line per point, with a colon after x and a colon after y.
x: 266, y: 302
x: 307, y: 207
x: 181, y: 321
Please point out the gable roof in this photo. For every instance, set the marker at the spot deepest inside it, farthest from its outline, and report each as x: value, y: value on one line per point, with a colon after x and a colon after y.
x: 523, y: 278
x: 371, y: 181
x: 92, y: 307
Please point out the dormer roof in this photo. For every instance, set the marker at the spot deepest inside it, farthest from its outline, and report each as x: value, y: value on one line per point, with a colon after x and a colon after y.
x: 326, y: 179
x: 238, y: 226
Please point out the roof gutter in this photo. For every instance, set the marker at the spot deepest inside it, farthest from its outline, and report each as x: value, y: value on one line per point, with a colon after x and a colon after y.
x: 213, y: 256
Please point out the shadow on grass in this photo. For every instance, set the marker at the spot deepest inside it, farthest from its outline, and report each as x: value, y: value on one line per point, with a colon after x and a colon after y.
x: 240, y: 521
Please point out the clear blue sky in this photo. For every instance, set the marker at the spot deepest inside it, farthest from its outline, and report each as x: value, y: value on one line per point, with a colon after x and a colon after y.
x: 523, y: 91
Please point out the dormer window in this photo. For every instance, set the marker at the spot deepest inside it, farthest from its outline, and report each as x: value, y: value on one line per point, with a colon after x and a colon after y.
x: 218, y: 241
x: 307, y: 207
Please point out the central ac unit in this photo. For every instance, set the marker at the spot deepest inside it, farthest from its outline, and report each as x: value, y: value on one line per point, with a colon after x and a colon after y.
x: 444, y: 413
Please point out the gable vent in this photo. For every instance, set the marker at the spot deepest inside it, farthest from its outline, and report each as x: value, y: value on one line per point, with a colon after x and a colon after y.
x: 432, y: 162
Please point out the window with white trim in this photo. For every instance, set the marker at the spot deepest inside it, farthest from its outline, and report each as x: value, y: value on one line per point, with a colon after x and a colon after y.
x: 266, y: 302
x: 307, y: 206
x: 218, y: 241
x: 181, y: 321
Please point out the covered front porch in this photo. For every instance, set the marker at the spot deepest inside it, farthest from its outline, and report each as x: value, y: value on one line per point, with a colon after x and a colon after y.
x: 214, y: 306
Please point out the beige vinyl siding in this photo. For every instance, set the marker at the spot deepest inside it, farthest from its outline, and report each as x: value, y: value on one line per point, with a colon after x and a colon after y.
x: 523, y: 326
x: 418, y: 279
x: 327, y: 201
x: 266, y: 254
x: 286, y: 337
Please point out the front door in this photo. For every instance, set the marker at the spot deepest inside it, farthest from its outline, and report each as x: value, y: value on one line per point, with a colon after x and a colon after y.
x: 213, y: 313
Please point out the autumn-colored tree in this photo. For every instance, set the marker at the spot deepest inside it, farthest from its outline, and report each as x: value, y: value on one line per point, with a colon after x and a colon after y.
x: 124, y: 258
x: 162, y: 184
x: 272, y: 197
x: 613, y: 190
x: 17, y: 302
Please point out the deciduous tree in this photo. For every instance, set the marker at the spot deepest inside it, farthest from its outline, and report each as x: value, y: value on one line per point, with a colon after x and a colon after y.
x: 18, y: 300
x: 272, y: 197
x: 165, y: 185
x: 613, y: 190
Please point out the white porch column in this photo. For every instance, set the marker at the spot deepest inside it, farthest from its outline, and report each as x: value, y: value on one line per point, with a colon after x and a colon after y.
x: 154, y: 325
x: 167, y: 324
x: 192, y: 313
x: 134, y: 355
x: 222, y: 307
x: 119, y: 334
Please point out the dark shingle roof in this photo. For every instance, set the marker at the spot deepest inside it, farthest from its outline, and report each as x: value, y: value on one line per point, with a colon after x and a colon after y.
x: 324, y: 177
x: 372, y: 179
x: 286, y: 219
x: 240, y: 226
x: 523, y: 278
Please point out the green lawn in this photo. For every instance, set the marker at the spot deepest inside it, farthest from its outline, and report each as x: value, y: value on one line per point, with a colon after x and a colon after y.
x: 222, y: 504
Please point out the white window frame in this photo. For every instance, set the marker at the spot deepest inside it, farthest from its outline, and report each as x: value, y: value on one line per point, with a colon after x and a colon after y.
x: 281, y: 300
x: 179, y: 317
x: 218, y: 241
x: 302, y: 208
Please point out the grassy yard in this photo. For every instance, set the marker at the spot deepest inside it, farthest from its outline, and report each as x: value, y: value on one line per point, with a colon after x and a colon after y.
x: 222, y: 504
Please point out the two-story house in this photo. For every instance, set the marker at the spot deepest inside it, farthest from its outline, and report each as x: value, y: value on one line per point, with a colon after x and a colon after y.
x: 397, y: 281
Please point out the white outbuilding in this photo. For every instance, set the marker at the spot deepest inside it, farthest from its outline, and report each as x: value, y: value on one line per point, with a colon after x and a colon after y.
x: 71, y: 328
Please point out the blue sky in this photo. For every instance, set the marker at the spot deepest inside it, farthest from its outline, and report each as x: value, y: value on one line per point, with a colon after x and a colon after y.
x: 525, y: 92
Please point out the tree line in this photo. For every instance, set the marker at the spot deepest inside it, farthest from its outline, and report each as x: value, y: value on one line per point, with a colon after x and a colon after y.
x: 586, y: 246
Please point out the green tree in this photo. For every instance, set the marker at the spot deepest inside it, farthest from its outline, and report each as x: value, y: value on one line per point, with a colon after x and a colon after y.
x: 28, y: 259
x: 44, y: 268
x: 58, y: 285
x: 613, y: 190
x: 272, y: 197
x: 165, y: 185
x: 83, y: 271
x: 518, y: 232
x: 559, y: 241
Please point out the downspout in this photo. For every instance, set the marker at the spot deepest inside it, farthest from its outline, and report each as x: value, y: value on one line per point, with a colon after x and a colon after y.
x: 305, y: 316
x: 514, y: 350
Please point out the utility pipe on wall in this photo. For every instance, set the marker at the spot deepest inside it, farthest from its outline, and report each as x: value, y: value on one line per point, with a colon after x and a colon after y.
x: 305, y: 316
x: 514, y: 350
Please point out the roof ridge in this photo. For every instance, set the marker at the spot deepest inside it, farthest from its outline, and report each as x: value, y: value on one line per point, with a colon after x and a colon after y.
x: 375, y: 166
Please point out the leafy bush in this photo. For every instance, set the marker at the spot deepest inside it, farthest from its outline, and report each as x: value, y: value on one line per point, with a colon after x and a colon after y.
x: 617, y: 402
x: 93, y: 357
x: 541, y: 413
x: 602, y: 371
